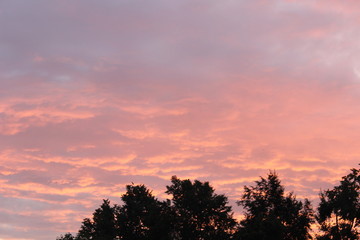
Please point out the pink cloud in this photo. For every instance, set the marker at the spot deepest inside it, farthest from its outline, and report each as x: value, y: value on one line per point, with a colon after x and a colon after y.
x: 95, y: 96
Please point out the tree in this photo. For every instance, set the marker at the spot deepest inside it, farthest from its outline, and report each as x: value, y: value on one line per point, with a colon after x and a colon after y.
x: 339, y: 209
x: 104, y: 222
x: 67, y: 236
x: 86, y: 231
x: 102, y: 227
x: 200, y: 213
x: 272, y: 215
x: 142, y: 216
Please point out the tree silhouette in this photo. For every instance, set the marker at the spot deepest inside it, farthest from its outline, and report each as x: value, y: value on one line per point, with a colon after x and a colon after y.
x: 339, y: 209
x: 196, y: 212
x: 67, y: 236
x: 86, y: 231
x: 102, y: 227
x: 270, y: 215
x: 142, y: 216
x: 104, y: 222
x: 200, y: 213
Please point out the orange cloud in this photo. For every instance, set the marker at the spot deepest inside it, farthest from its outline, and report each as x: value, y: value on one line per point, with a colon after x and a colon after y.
x: 202, y: 97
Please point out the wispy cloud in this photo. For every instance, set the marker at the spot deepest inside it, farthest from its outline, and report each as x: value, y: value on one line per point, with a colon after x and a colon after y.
x: 97, y: 94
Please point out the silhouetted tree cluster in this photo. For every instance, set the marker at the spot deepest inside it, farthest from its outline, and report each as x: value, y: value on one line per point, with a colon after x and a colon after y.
x: 339, y: 209
x: 196, y: 212
x: 272, y: 215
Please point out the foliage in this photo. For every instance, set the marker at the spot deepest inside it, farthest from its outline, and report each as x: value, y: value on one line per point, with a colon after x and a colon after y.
x: 339, y: 209
x: 196, y: 212
x: 67, y: 236
x: 142, y: 216
x: 272, y: 215
x: 102, y: 227
x: 86, y: 230
x: 200, y: 213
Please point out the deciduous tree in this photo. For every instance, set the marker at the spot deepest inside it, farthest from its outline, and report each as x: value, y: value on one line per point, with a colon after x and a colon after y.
x: 142, y: 216
x: 339, y: 209
x: 200, y: 213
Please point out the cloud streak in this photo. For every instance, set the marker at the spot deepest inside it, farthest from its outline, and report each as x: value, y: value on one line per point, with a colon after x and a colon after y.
x: 95, y: 95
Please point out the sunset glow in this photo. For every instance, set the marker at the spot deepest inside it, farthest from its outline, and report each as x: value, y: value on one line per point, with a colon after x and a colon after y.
x: 95, y: 95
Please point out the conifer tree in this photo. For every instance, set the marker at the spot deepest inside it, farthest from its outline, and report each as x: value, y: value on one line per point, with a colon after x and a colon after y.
x: 67, y: 236
x: 101, y: 227
x: 272, y: 215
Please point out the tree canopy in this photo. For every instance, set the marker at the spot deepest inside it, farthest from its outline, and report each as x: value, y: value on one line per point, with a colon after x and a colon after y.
x: 199, y: 212
x: 272, y: 215
x: 339, y: 209
x: 196, y: 212
x: 142, y: 216
x: 101, y: 227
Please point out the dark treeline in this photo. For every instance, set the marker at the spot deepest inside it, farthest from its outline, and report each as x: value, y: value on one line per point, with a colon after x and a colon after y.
x: 196, y: 212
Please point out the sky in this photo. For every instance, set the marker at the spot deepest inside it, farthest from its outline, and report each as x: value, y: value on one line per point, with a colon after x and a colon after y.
x: 95, y: 95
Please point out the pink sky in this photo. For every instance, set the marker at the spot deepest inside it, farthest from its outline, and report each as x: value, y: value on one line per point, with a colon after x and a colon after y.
x: 95, y: 95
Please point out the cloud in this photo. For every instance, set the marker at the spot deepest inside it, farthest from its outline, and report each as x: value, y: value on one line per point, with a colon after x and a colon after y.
x: 97, y: 95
